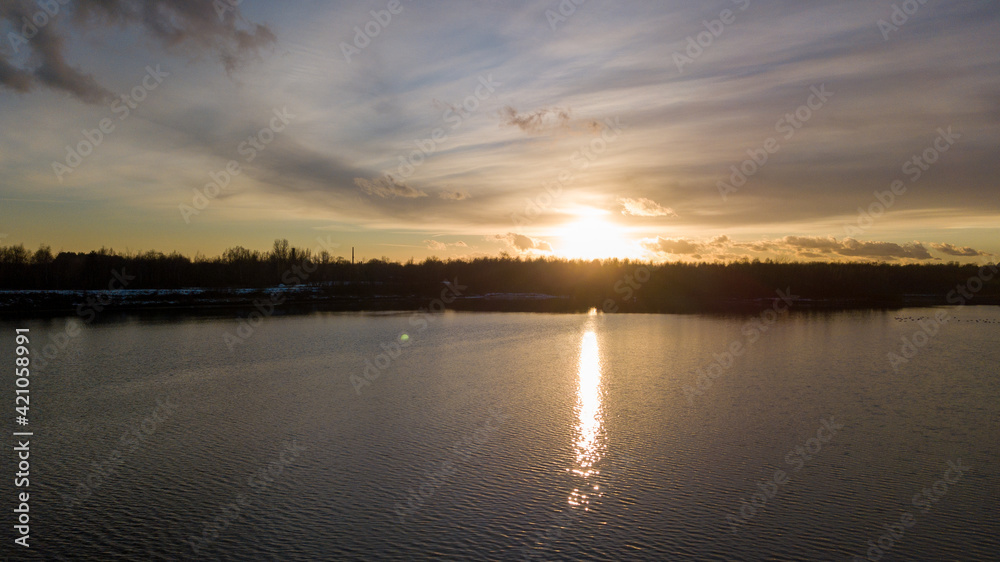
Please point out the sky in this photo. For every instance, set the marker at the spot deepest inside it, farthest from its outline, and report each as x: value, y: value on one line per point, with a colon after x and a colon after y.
x: 660, y: 130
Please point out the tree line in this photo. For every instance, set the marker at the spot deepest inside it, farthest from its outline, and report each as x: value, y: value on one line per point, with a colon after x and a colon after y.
x: 625, y: 282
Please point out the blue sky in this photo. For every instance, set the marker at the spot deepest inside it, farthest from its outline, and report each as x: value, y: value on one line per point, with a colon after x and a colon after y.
x: 446, y: 129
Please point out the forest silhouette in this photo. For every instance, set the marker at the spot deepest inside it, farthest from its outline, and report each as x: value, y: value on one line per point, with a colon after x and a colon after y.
x: 610, y: 284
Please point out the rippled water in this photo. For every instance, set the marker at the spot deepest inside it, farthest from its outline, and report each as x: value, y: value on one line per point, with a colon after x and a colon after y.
x: 505, y: 436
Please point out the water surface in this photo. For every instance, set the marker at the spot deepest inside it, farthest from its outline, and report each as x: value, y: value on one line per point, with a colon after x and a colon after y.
x: 505, y: 436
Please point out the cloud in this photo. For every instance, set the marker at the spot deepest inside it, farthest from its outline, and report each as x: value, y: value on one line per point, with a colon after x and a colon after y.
x: 759, y: 246
x: 853, y: 248
x: 674, y: 148
x: 952, y: 250
x: 538, y: 121
x: 678, y: 246
x: 435, y: 245
x: 454, y: 195
x: 722, y: 242
x: 388, y: 187
x: 807, y: 247
x: 825, y: 245
x: 14, y: 78
x: 644, y: 208
x: 524, y: 243
x: 44, y: 47
x: 196, y: 26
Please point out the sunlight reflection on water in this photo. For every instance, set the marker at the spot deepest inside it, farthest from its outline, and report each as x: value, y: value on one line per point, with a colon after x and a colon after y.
x: 589, y: 443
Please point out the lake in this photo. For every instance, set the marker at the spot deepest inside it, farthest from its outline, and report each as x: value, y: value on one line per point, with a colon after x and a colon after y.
x: 470, y: 436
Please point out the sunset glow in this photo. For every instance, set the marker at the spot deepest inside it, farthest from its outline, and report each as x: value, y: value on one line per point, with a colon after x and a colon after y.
x: 595, y: 238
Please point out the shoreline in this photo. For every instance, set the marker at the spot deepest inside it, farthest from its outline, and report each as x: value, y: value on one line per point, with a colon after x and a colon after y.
x: 305, y: 300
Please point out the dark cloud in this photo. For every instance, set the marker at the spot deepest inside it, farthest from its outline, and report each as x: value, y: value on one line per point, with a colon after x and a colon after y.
x: 55, y: 73
x: 13, y: 77
x: 198, y: 26
x: 850, y: 247
x: 538, y: 121
x: 388, y: 187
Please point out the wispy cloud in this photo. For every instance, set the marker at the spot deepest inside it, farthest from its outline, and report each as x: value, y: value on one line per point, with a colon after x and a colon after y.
x: 439, y: 246
x: 680, y: 134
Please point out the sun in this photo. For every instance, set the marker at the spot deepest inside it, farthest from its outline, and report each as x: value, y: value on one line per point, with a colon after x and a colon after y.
x: 595, y: 238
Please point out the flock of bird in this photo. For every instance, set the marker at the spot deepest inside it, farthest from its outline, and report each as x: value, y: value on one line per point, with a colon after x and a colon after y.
x: 952, y: 319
